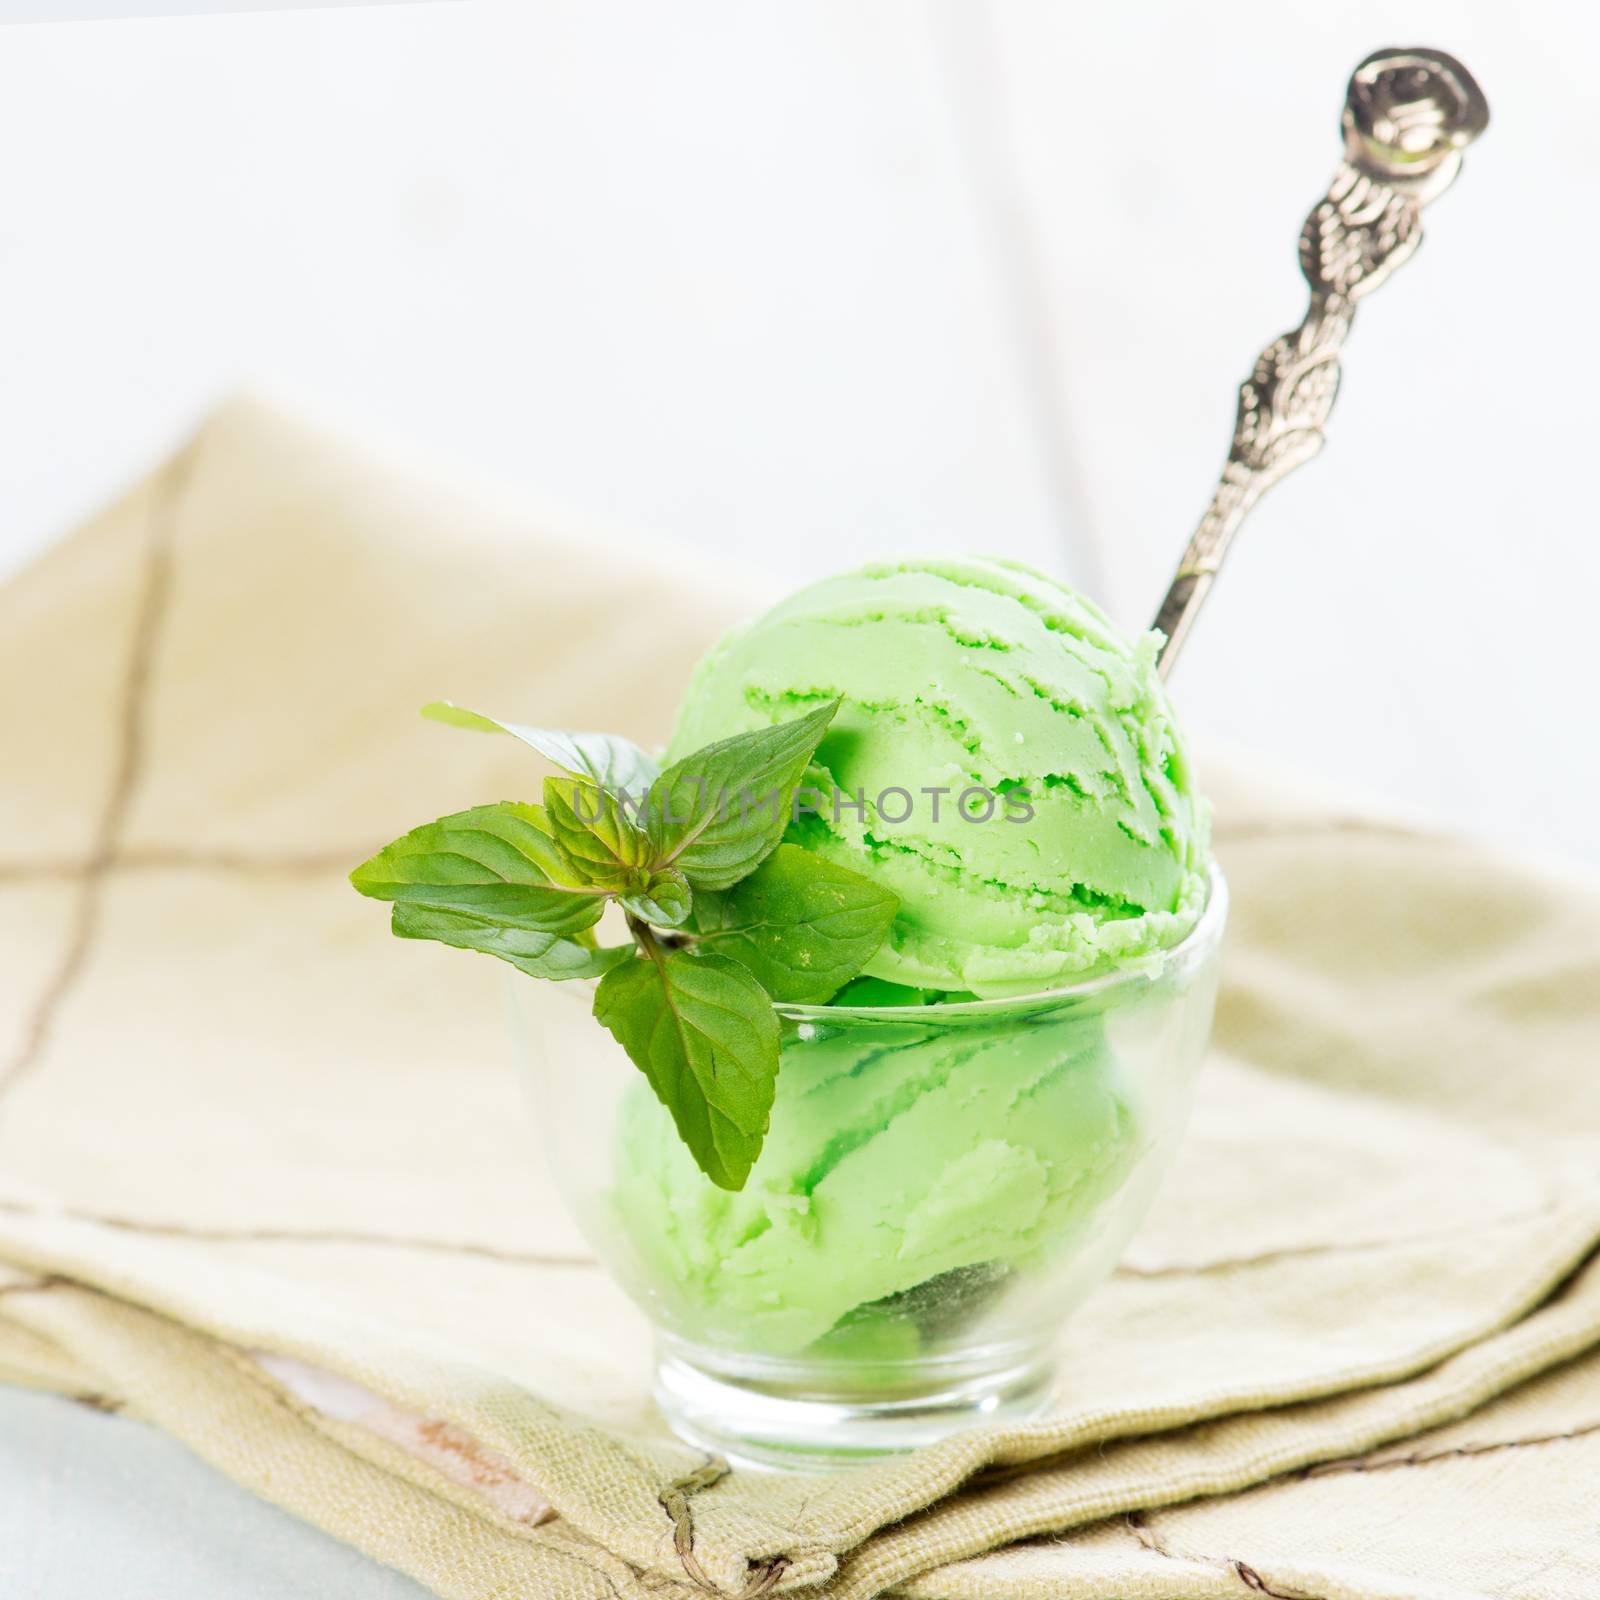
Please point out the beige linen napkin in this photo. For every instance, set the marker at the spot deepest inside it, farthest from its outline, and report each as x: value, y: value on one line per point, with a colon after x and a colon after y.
x: 265, y: 1181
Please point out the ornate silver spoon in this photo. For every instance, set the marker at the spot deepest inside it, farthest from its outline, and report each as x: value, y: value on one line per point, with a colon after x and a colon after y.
x: 1408, y: 115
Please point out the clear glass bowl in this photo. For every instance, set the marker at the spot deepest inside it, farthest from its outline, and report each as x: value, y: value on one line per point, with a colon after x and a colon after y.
x: 940, y: 1186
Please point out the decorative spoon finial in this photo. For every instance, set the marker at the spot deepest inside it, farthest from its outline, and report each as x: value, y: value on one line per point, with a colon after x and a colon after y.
x: 1408, y: 115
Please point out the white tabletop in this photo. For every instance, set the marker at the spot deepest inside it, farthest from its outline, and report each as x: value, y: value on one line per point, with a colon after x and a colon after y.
x: 94, y: 1505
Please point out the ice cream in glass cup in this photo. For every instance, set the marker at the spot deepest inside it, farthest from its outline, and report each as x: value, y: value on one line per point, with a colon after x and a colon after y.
x: 942, y: 1184
x: 965, y: 1136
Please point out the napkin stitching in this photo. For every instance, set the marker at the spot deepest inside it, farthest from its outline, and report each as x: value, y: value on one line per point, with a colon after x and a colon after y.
x: 675, y: 1502
x: 160, y: 525
x: 353, y: 1236
x: 160, y: 858
x: 1555, y: 1203
x: 532, y: 1258
x: 1424, y: 1458
x: 1252, y: 1579
x: 1138, y: 1524
x: 1099, y: 1429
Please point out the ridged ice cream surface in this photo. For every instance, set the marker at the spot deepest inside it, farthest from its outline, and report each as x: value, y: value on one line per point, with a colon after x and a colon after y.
x: 898, y: 1157
x: 961, y: 678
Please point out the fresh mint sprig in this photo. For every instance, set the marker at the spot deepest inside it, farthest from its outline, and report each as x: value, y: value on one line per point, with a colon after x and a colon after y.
x: 803, y: 926
x: 719, y: 813
x: 702, y: 1030
x: 605, y: 759
x: 497, y: 864
x: 540, y: 955
x: 591, y: 826
x: 724, y: 918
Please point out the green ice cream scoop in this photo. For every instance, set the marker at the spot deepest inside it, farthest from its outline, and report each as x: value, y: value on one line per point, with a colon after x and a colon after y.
x: 1004, y: 760
x: 910, y: 1169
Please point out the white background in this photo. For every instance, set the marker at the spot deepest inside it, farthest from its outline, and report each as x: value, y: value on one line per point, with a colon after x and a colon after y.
x: 75, y: 10
x: 802, y: 282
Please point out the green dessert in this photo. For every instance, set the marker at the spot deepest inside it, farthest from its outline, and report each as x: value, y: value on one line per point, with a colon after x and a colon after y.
x: 916, y: 785
x: 1081, y: 842
x: 1007, y: 766
x: 900, y: 1157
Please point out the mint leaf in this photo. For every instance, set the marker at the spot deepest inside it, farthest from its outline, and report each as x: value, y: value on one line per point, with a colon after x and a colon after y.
x: 718, y: 813
x: 495, y: 863
x: 663, y: 898
x: 803, y: 926
x: 603, y: 758
x: 600, y: 840
x: 703, y: 1031
x: 540, y: 955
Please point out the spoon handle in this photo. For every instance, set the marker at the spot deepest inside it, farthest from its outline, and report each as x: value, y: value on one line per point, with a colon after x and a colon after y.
x: 1408, y: 115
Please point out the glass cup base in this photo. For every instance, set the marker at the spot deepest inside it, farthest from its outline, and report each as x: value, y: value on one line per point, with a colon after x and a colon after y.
x: 780, y: 1421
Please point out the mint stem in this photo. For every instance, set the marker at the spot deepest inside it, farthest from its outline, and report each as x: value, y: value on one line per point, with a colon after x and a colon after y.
x: 654, y: 943
x: 644, y: 936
